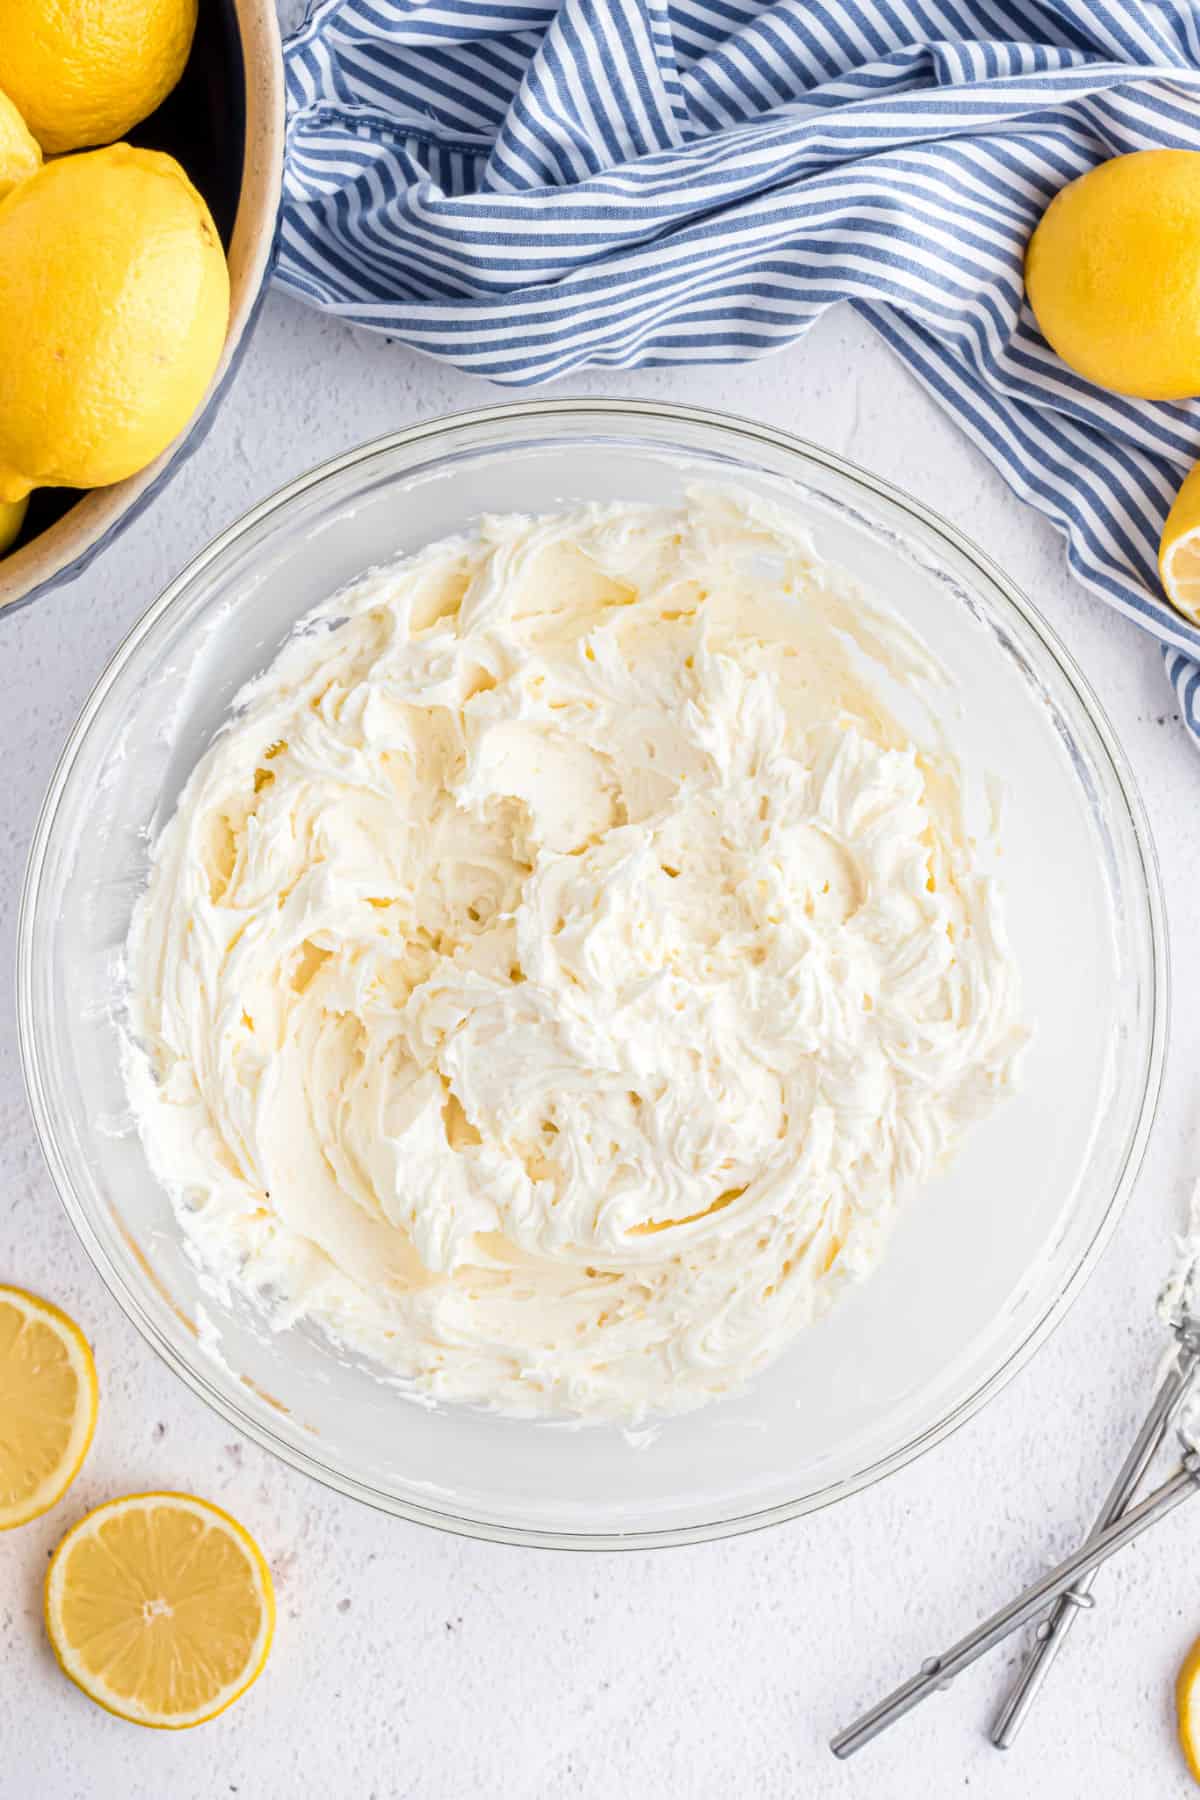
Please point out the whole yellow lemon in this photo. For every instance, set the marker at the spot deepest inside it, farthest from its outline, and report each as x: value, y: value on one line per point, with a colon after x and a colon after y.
x: 114, y: 303
x: 86, y: 71
x: 19, y: 152
x: 12, y: 517
x: 1113, y: 274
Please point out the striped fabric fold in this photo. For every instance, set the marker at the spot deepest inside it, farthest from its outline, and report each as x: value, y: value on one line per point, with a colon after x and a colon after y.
x: 526, y: 189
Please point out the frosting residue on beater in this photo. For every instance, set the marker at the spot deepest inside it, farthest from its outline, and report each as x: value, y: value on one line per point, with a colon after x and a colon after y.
x: 561, y: 967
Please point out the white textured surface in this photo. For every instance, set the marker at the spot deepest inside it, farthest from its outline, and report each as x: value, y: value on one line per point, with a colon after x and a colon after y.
x: 412, y: 1664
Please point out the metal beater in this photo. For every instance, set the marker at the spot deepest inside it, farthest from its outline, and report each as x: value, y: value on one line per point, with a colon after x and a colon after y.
x: 1068, y: 1586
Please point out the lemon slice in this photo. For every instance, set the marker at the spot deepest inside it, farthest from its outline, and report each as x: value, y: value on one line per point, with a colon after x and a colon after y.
x: 1179, y: 550
x: 160, y: 1607
x: 1187, y: 1701
x: 47, y: 1405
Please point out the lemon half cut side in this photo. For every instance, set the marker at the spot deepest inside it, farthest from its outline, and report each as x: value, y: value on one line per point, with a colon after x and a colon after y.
x: 160, y: 1607
x: 48, y: 1400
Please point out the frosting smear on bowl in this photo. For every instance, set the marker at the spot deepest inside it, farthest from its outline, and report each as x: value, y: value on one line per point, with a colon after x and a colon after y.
x: 562, y: 966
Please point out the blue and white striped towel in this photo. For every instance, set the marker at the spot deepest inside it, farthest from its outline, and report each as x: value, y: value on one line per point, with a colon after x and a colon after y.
x: 526, y: 188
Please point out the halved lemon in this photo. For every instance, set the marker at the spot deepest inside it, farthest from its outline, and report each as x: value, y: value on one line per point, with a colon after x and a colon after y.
x: 160, y: 1607
x: 1187, y: 1701
x: 1179, y: 550
x: 48, y: 1398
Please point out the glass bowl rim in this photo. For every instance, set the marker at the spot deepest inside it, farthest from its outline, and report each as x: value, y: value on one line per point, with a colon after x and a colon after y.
x: 546, y: 412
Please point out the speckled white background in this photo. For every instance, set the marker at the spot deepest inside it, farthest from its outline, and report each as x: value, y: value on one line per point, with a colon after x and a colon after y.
x: 413, y: 1664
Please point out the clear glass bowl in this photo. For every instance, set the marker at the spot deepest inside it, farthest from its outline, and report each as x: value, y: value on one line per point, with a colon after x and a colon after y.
x: 982, y: 1264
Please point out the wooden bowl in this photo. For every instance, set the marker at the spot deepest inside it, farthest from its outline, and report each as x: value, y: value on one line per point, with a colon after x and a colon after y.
x: 224, y: 122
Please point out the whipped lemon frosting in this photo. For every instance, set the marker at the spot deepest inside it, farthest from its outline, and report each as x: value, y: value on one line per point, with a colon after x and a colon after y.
x: 561, y: 967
